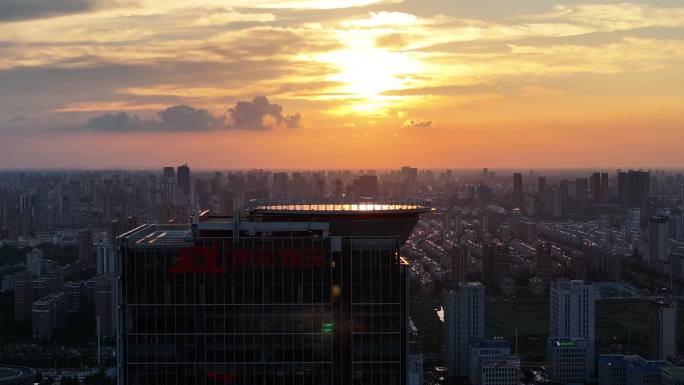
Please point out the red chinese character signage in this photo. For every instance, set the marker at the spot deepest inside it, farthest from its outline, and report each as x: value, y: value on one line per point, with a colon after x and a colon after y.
x: 197, y: 260
x: 203, y: 259
x: 228, y: 378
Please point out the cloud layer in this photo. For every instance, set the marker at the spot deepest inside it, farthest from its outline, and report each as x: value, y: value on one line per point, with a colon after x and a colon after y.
x: 259, y: 114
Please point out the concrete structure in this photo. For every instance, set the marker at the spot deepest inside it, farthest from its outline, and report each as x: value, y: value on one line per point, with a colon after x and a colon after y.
x: 463, y: 323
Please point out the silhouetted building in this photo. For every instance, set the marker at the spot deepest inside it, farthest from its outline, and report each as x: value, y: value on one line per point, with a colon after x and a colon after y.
x: 634, y: 189
x: 105, y: 306
x: 658, y: 231
x: 459, y: 264
x: 368, y: 186
x: 582, y: 190
x: 85, y: 248
x: 496, y: 264
x: 517, y: 188
x: 183, y: 175
x: 23, y: 295
x: 544, y: 262
x: 74, y: 296
x: 169, y: 172
x: 287, y: 293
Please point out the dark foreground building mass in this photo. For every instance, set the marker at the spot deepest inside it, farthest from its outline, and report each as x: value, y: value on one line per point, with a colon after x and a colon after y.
x: 281, y: 294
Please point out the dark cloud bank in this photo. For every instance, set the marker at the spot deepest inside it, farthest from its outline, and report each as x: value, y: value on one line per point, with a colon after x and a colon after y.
x: 259, y: 114
x: 32, y: 9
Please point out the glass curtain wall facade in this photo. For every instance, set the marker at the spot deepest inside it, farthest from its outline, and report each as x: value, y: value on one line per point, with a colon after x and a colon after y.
x: 261, y: 310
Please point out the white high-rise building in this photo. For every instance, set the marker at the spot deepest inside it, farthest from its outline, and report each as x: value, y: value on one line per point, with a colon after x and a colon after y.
x: 490, y: 360
x: 663, y: 331
x: 659, y: 232
x: 572, y: 314
x: 463, y: 323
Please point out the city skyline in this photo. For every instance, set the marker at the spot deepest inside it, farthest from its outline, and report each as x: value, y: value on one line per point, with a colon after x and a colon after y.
x: 288, y: 83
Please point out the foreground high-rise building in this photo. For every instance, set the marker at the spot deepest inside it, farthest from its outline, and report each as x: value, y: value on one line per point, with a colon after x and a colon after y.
x: 281, y: 294
x: 464, y: 312
x: 663, y: 330
x: 573, y: 315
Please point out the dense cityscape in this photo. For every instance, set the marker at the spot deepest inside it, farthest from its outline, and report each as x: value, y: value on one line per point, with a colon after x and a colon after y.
x: 400, y: 276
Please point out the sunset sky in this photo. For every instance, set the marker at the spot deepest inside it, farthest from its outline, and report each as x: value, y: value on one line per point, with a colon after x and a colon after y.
x: 341, y: 83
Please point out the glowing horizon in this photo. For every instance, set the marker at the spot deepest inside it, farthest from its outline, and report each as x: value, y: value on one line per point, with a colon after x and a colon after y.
x: 342, y: 84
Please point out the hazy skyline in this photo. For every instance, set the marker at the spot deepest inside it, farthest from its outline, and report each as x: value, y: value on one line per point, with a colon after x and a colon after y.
x: 341, y: 84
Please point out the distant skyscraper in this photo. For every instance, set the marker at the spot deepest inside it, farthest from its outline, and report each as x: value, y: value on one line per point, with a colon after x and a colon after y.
x: 663, y: 331
x: 553, y: 203
x: 483, y: 195
x: 105, y: 258
x: 184, y: 178
x: 85, y: 248
x: 517, y: 188
x: 48, y: 313
x: 659, y: 232
x: 169, y: 173
x: 634, y: 189
x: 544, y: 262
x: 23, y: 295
x: 105, y: 306
x: 496, y: 264
x: 459, y: 264
x: 368, y: 186
x: 582, y: 190
x: 633, y: 220
x: 463, y: 323
x: 281, y: 185
x: 541, y: 187
x: 74, y: 296
x: 409, y: 178
x: 226, y: 203
x: 596, y: 187
x: 573, y: 313
x: 605, y: 189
